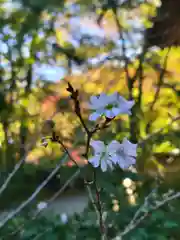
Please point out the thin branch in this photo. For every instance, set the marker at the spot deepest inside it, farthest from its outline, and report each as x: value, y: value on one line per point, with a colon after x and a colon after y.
x: 11, y: 175
x: 13, y: 213
x: 135, y: 222
x: 140, y: 75
x: 100, y: 210
x: 128, y: 78
x: 138, y: 212
x: 173, y: 87
x: 49, y: 202
x: 97, y: 205
x: 161, y: 78
x: 75, y: 97
x: 82, y: 122
x: 41, y: 234
x: 59, y: 192
x: 92, y: 200
x: 67, y: 152
x: 160, y: 83
x: 134, y: 127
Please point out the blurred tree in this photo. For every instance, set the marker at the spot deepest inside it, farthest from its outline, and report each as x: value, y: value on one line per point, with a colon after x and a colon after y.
x: 165, y: 31
x: 101, y: 47
x: 106, y: 54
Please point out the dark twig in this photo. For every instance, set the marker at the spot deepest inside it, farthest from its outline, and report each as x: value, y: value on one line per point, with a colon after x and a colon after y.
x: 100, y: 210
x: 75, y: 97
x: 126, y: 61
x: 129, y: 80
x: 140, y: 75
x: 160, y: 83
x: 97, y: 204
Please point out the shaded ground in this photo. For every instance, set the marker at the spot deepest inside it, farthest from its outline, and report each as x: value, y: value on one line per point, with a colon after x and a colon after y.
x: 69, y: 204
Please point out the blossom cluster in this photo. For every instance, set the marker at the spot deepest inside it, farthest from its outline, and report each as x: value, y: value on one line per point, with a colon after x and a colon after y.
x: 107, y: 156
x: 109, y: 106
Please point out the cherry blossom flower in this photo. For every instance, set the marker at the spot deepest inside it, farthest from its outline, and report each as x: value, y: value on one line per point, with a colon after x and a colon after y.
x: 125, y: 154
x: 102, y: 155
x: 109, y: 106
x: 115, y: 153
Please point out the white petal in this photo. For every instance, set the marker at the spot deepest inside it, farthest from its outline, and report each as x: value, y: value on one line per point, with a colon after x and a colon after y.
x: 113, y: 146
x: 131, y: 103
x: 109, y: 114
x: 94, y: 116
x: 123, y: 110
x: 108, y: 99
x: 116, y: 111
x: 114, y: 97
x: 123, y: 101
x: 101, y: 110
x: 92, y: 107
x: 97, y: 145
x: 131, y: 160
x: 103, y: 98
x: 102, y: 101
x: 125, y: 163
x: 115, y: 159
x: 125, y: 105
x: 95, y: 161
x: 93, y: 100
x: 129, y: 148
x: 104, y: 165
x: 96, y: 103
x: 121, y: 162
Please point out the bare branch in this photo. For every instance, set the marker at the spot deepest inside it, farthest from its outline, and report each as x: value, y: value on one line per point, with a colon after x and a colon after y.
x: 42, y: 233
x: 13, y: 213
x: 11, y: 175
x: 160, y: 83
x: 137, y: 219
x: 49, y: 201
x: 14, y: 171
x: 97, y: 204
x: 100, y: 210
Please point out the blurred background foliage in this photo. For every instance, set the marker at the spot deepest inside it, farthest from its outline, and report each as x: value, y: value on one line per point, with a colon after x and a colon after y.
x: 99, y: 46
